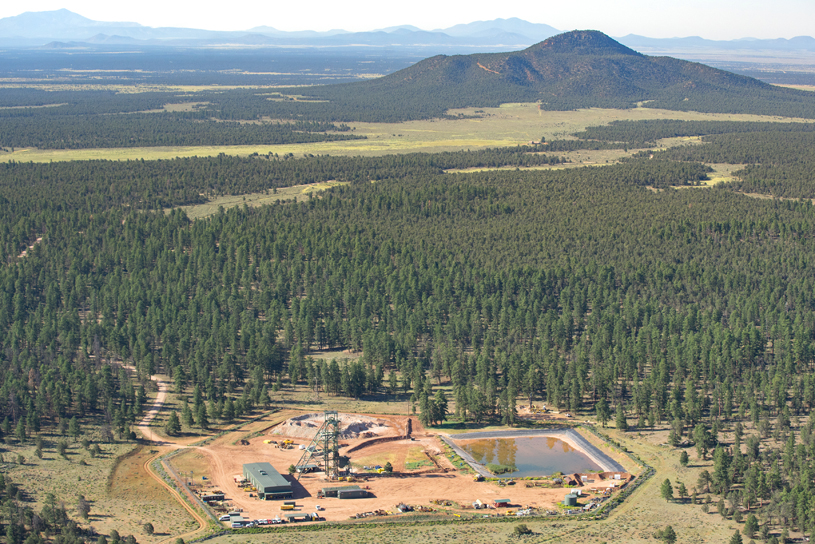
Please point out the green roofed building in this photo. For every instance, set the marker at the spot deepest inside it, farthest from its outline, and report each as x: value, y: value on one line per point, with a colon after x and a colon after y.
x: 268, y: 481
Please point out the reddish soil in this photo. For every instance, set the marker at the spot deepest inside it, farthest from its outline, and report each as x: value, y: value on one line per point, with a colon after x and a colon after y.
x: 417, y: 488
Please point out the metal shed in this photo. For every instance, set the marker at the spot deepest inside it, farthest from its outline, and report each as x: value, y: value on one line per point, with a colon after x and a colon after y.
x: 207, y: 497
x: 352, y: 494
x: 334, y: 491
x: 268, y: 481
x: 301, y: 516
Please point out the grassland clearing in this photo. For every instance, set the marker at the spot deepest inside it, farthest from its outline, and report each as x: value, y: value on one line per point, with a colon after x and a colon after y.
x: 122, y: 496
x: 479, y: 128
x: 197, y: 211
x: 136, y: 498
x: 179, y: 107
x: 722, y: 173
x: 31, y: 107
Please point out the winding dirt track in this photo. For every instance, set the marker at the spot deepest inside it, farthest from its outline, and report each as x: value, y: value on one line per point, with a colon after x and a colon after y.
x: 202, y: 524
x: 144, y: 425
x: 148, y: 434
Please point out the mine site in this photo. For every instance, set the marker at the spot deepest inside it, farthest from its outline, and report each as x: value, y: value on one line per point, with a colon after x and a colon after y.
x: 336, y: 466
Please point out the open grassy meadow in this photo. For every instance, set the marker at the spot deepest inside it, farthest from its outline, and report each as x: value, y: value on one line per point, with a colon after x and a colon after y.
x: 122, y: 496
x: 252, y: 200
x: 508, y: 125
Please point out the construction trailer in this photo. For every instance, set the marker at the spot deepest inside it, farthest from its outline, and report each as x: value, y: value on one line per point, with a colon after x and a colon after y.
x: 302, y: 516
x: 268, y: 482
x: 352, y: 494
x: 344, y: 492
x: 212, y: 497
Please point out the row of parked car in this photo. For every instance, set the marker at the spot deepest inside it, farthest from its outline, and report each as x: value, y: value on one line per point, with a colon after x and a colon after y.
x: 240, y: 523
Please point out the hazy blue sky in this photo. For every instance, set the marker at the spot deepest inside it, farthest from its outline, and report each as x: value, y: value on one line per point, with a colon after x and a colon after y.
x: 714, y: 19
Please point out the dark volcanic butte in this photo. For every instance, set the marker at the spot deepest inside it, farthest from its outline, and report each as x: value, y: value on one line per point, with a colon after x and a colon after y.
x: 580, y: 63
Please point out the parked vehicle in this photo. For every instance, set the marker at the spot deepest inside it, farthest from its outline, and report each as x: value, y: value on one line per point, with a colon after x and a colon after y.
x: 225, y: 517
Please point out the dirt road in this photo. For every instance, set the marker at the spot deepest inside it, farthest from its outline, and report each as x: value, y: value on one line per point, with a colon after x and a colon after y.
x: 166, y: 445
x: 158, y: 404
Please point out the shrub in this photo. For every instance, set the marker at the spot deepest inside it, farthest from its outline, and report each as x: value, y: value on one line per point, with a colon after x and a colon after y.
x: 500, y: 469
x: 521, y: 530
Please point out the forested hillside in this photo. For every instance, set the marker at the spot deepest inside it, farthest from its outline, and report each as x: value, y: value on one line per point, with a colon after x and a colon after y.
x: 568, y: 285
x: 580, y: 287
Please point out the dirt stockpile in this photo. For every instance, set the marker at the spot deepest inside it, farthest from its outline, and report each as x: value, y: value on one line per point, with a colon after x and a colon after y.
x: 351, y: 426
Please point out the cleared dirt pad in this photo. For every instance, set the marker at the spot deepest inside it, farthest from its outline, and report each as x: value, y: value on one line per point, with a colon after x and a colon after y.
x: 432, y: 476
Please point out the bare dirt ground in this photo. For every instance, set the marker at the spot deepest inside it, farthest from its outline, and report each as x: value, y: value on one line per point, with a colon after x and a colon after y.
x: 144, y: 426
x: 637, y: 518
x: 351, y: 426
x: 415, y: 487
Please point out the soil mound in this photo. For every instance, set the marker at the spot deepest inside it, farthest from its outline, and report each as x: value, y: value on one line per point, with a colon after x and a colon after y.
x: 351, y: 426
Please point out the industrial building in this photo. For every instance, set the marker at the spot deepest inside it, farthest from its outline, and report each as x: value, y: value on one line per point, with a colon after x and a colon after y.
x: 267, y: 481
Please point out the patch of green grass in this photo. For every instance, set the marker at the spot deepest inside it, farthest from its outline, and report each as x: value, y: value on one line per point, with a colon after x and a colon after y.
x: 415, y: 465
x: 252, y: 200
x: 374, y: 460
x: 508, y: 125
x: 500, y: 469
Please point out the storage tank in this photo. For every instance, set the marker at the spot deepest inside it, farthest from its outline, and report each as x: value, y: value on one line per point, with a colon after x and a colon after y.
x: 570, y: 500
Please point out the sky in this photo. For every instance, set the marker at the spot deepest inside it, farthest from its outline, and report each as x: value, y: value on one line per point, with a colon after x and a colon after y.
x: 712, y: 19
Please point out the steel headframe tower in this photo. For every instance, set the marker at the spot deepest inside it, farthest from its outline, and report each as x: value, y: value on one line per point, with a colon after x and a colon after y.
x: 325, y: 445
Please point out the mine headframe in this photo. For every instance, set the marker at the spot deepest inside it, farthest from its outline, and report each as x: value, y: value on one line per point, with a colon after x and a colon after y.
x: 323, y: 453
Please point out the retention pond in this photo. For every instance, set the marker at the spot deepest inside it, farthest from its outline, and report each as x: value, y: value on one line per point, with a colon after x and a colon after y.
x: 529, y: 455
x: 522, y: 453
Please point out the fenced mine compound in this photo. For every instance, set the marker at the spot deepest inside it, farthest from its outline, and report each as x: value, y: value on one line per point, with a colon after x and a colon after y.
x: 426, y: 473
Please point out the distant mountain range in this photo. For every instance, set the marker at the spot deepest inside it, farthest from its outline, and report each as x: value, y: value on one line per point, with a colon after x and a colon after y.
x: 65, y: 29
x: 34, y: 29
